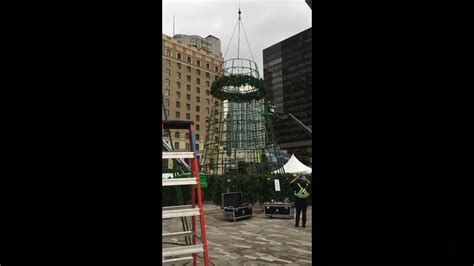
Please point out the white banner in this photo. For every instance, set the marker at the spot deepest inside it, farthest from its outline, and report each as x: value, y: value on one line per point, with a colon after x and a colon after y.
x: 277, y: 185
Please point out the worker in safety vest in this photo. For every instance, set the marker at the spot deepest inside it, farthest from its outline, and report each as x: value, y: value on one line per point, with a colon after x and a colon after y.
x: 301, y: 186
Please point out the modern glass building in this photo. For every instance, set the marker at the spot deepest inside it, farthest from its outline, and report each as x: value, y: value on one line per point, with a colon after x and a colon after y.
x: 288, y: 77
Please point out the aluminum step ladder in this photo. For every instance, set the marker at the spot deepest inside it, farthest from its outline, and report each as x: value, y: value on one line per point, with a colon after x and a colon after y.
x: 189, y: 252
x: 180, y: 161
x: 182, y: 167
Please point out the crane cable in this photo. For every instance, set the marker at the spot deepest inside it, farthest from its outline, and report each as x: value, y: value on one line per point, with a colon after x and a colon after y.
x: 239, y: 21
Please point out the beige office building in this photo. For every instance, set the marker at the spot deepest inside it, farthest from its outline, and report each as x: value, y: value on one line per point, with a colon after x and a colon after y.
x: 188, y: 72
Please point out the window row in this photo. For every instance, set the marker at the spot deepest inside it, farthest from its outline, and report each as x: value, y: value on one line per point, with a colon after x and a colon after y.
x: 176, y: 146
x: 188, y: 88
x: 186, y: 135
x: 188, y: 97
x: 189, y: 60
x: 188, y: 106
x: 188, y: 116
x: 198, y: 72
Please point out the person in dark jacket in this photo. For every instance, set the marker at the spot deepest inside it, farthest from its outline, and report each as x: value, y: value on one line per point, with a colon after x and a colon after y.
x: 301, y: 186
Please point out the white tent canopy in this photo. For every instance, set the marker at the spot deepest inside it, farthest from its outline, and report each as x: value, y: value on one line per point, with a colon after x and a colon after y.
x: 294, y: 166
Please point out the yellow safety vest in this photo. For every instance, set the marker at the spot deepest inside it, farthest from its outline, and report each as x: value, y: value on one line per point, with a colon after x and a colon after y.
x: 303, y: 194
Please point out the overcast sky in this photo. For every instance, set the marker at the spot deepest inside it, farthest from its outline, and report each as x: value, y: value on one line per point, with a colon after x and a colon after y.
x: 266, y: 22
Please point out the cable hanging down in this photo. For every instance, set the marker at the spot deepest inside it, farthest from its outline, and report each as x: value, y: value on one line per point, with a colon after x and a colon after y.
x: 250, y: 49
x: 235, y: 27
x: 239, y: 21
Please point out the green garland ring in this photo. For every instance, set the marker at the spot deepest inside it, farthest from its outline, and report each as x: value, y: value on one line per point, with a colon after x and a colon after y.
x: 237, y: 81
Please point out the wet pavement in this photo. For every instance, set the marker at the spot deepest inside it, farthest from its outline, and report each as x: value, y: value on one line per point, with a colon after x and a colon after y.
x: 256, y: 241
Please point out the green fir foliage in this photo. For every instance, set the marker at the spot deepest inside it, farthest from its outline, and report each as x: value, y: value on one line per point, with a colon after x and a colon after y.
x: 254, y: 187
x: 237, y: 81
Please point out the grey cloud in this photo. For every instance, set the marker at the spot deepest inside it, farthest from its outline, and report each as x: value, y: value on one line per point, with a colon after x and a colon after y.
x: 266, y: 22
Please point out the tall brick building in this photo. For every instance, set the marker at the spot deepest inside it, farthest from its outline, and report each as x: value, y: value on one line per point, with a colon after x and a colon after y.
x: 188, y: 73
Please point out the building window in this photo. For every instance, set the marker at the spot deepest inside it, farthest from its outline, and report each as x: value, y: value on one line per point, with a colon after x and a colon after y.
x: 178, y: 85
x: 198, y: 108
x: 189, y: 68
x: 197, y: 127
x: 168, y: 63
x: 168, y: 52
x: 179, y: 65
x: 176, y: 135
x: 217, y: 70
x: 198, y: 99
x: 188, y: 106
x: 208, y: 84
x: 198, y: 81
x: 178, y: 105
x: 167, y: 92
x: 187, y: 135
x: 198, y: 72
x: 187, y: 146
x: 198, y: 63
x: 208, y: 75
x: 167, y: 102
x: 207, y: 110
x: 207, y: 101
x: 176, y: 145
x: 197, y: 146
x: 188, y: 97
x: 215, y: 77
x: 179, y: 75
x: 188, y: 116
x: 198, y: 118
x: 178, y: 55
x: 189, y: 60
x: 188, y: 88
x: 198, y: 90
x: 197, y: 136
x: 167, y: 82
x: 188, y: 78
x: 208, y: 92
x: 207, y: 66
x: 168, y: 72
x: 177, y: 115
x: 178, y: 95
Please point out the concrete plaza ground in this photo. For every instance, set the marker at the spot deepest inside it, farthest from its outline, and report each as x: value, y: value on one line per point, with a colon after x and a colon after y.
x: 255, y: 241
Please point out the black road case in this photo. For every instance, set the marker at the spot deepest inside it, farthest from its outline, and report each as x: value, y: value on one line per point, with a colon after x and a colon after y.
x: 237, y: 213
x: 279, y: 209
x: 231, y: 199
x: 234, y: 209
